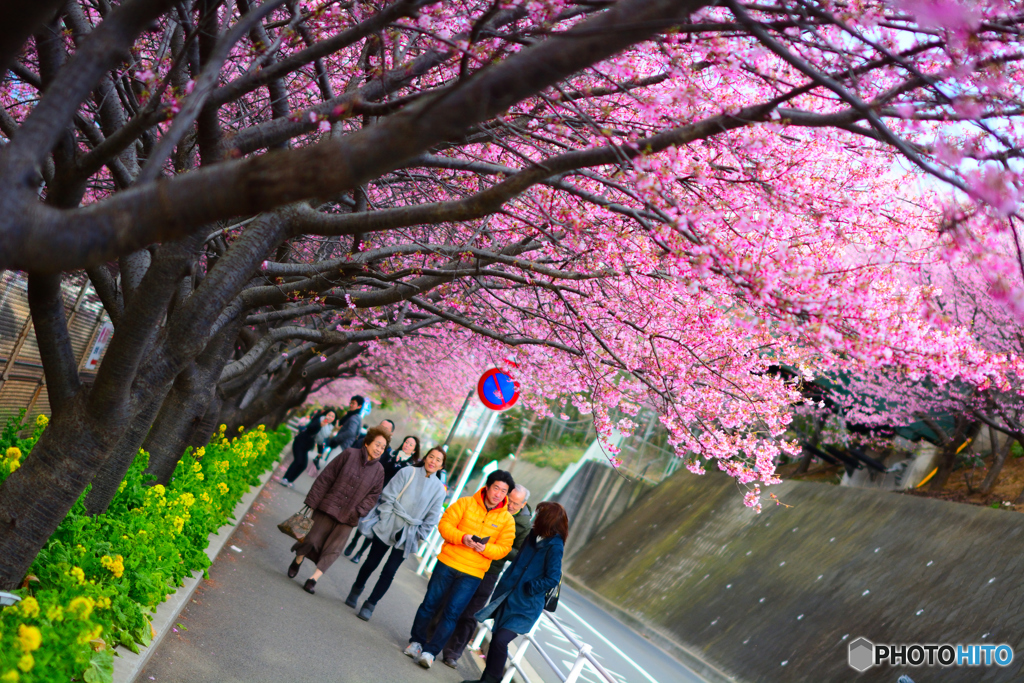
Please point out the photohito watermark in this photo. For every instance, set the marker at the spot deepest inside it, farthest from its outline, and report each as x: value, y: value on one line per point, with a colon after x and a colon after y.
x: 864, y: 654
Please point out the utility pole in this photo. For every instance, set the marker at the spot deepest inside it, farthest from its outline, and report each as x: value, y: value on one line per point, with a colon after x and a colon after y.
x: 458, y: 419
x: 522, y: 442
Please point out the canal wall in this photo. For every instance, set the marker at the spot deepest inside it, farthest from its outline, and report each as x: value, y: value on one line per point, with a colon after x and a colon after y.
x: 779, y: 596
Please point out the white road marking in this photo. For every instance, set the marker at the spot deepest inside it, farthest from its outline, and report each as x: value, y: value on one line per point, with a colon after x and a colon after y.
x: 610, y: 644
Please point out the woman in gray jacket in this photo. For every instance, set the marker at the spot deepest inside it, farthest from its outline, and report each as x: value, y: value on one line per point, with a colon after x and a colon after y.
x: 409, y: 508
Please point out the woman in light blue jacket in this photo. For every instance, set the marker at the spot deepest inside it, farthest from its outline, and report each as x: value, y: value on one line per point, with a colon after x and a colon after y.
x: 410, y: 507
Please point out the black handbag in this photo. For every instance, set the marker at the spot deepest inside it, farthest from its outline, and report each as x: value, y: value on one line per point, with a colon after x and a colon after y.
x: 551, y: 598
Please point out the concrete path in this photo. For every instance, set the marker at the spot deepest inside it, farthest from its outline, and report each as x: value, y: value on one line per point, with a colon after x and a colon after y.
x: 251, y: 623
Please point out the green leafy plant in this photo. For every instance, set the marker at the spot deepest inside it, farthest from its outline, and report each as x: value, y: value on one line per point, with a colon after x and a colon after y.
x: 94, y: 583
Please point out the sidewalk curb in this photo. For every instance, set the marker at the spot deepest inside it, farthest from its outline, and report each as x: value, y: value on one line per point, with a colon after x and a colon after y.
x: 127, y: 664
x: 694, y: 662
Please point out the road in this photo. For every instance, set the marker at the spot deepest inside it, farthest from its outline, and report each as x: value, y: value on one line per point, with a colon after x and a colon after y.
x: 628, y: 657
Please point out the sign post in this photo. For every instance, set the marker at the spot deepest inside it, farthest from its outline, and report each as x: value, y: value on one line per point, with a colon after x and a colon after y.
x: 498, y: 391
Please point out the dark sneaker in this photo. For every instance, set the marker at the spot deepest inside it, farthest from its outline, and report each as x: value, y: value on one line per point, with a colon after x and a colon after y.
x: 453, y: 663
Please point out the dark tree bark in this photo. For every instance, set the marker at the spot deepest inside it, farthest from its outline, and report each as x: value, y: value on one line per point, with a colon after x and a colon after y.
x: 108, y: 479
x: 185, y: 407
x: 950, y: 446
x: 998, y: 461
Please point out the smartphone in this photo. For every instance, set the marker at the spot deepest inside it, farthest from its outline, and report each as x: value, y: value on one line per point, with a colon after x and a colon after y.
x: 477, y: 539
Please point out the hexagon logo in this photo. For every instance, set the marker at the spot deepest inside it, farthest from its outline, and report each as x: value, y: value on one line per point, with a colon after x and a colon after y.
x: 862, y: 654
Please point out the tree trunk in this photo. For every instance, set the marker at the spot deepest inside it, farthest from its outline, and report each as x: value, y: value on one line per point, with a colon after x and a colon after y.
x: 36, y: 498
x: 947, y: 461
x: 185, y: 406
x: 108, y: 479
x: 208, y: 425
x: 998, y: 460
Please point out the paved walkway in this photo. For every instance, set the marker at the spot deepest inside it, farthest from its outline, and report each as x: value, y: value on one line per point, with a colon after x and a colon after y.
x: 251, y: 623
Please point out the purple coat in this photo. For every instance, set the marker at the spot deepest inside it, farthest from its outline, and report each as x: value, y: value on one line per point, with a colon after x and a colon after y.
x: 348, y: 487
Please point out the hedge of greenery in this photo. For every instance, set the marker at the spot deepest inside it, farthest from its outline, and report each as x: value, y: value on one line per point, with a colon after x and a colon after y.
x: 94, y: 583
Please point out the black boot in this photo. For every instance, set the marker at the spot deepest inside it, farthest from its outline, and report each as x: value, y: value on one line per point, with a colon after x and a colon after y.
x: 353, y: 597
x: 293, y: 569
x: 355, y: 558
x: 485, y: 678
x: 351, y: 546
x: 309, y: 586
x: 367, y: 611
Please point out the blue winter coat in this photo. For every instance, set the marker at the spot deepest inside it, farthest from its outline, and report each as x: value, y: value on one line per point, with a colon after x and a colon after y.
x: 519, y: 595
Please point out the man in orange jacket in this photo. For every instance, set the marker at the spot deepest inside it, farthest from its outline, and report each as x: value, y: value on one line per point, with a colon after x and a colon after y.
x: 463, y: 561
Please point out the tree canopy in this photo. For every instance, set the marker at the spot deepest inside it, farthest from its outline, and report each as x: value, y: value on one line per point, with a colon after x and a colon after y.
x: 647, y: 202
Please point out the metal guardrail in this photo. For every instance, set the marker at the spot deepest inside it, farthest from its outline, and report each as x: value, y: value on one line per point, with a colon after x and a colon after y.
x: 428, y: 558
x: 584, y: 653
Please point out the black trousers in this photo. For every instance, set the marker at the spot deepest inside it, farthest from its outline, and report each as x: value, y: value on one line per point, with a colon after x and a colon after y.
x: 300, y: 459
x: 378, y: 549
x: 355, y: 539
x: 466, y: 625
x: 497, y: 653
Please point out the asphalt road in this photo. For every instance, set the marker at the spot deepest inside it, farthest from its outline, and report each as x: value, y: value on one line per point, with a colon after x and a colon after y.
x: 628, y: 657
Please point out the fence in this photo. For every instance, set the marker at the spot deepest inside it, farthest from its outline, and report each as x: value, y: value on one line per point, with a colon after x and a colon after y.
x: 515, y: 664
x: 22, y: 383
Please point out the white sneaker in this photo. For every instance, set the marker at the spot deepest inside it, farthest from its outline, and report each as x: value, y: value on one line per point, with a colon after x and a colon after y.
x: 425, y: 660
x: 414, y: 650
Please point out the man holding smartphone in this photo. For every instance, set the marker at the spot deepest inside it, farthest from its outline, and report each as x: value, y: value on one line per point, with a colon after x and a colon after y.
x: 476, y: 530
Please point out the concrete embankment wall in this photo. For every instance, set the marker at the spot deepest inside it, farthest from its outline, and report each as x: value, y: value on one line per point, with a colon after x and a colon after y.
x: 778, y: 596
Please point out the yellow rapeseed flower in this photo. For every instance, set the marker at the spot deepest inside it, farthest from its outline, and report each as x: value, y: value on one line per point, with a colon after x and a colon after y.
x: 77, y: 573
x: 82, y: 606
x: 205, y: 497
x: 158, y: 490
x: 13, y: 453
x: 260, y: 428
x: 10, y: 677
x: 115, y: 565
x: 92, y: 634
x: 26, y: 662
x: 13, y: 465
x: 29, y: 638
x: 222, y: 487
x: 200, y: 453
x: 29, y: 607
x: 196, y: 467
x: 55, y: 613
x: 42, y: 420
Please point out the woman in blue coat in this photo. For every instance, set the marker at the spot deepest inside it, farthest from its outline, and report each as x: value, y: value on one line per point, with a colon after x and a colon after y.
x: 520, y: 594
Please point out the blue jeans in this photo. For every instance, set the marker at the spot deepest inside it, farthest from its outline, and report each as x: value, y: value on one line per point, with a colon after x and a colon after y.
x: 458, y: 587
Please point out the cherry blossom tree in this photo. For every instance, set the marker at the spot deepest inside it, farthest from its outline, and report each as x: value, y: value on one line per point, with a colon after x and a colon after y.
x: 649, y: 202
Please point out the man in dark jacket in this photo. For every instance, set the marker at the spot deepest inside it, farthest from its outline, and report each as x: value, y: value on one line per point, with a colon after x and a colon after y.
x: 466, y: 625
x: 348, y: 426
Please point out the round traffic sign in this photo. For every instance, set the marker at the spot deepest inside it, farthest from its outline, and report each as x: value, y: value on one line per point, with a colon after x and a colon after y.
x: 497, y: 389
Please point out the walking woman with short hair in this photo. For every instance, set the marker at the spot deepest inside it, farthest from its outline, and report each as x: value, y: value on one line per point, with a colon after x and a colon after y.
x: 409, y: 508
x: 520, y: 594
x: 345, y: 491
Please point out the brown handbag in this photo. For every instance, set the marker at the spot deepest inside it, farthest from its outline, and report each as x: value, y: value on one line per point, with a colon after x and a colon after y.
x: 299, y: 524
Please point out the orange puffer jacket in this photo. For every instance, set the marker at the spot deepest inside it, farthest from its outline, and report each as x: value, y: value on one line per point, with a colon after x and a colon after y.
x: 469, y: 516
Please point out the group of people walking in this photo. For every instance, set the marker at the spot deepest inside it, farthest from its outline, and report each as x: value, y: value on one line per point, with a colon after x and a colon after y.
x: 499, y: 560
